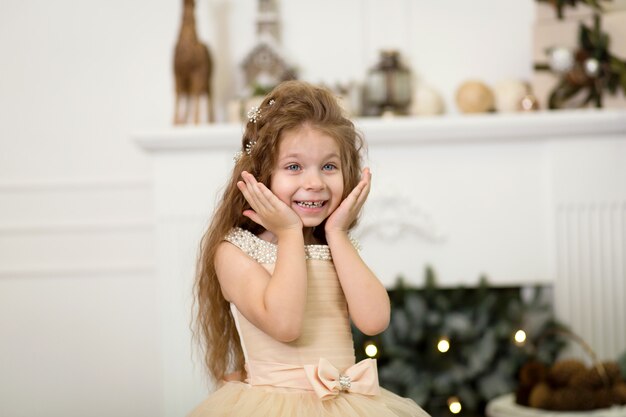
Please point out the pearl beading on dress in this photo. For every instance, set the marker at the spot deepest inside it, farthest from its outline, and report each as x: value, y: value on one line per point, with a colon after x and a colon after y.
x: 265, y: 252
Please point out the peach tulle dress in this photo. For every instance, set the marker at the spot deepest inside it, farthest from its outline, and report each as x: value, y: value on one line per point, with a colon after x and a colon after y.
x: 313, y: 376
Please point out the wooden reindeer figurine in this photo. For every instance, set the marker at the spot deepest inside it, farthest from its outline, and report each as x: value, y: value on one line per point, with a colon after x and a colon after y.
x: 192, y: 70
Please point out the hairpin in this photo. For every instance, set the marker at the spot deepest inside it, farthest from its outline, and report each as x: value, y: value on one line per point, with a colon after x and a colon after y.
x: 249, y: 146
x: 248, y: 149
x: 254, y: 114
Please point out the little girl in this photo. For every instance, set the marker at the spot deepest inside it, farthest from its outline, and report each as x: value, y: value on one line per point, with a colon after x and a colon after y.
x: 279, y: 277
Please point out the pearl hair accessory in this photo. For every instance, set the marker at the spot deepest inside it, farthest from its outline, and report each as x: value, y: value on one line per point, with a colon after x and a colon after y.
x: 253, y: 116
x: 249, y: 145
x: 254, y: 113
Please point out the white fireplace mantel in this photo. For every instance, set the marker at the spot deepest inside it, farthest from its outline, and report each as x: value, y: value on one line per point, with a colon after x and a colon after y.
x: 469, y: 195
x: 413, y: 130
x: 521, y: 198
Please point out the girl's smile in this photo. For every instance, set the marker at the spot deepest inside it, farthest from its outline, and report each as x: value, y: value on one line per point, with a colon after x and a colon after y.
x: 310, y: 204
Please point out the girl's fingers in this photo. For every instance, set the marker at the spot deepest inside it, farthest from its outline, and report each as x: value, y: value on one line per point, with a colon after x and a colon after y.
x: 358, y: 196
x: 366, y: 179
x: 265, y: 205
x: 349, y: 209
x: 259, y: 199
x: 270, y: 197
x: 251, y: 214
x: 364, y: 193
x: 266, y: 198
x: 263, y: 195
x: 248, y: 194
x: 359, y: 193
x: 254, y: 191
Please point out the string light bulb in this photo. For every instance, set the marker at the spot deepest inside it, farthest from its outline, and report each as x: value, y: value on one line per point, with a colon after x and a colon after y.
x: 443, y: 345
x: 371, y: 350
x: 454, y: 404
x: 520, y: 337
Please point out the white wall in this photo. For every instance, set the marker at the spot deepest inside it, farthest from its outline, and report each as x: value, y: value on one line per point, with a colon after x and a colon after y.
x: 79, y: 322
x: 78, y: 303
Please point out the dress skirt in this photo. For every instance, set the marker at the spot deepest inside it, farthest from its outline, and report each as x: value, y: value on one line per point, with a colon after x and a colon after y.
x: 238, y: 399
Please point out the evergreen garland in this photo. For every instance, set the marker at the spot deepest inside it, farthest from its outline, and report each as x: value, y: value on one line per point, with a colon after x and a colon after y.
x: 479, y: 325
x: 593, y: 71
x: 610, y: 74
x: 559, y: 5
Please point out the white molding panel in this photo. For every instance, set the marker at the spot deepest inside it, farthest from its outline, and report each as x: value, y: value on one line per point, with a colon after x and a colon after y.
x: 78, y: 297
x: 76, y: 227
x: 29, y: 185
x: 591, y: 278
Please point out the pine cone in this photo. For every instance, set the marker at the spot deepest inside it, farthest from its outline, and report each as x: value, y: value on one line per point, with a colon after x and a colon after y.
x: 522, y: 395
x: 602, y: 398
x: 561, y: 372
x: 540, y: 396
x: 613, y: 371
x: 532, y: 373
x: 589, y: 379
x: 572, y: 399
x: 619, y: 393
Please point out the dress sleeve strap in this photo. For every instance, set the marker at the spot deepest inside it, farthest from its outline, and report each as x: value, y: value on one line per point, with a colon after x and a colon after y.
x: 261, y: 251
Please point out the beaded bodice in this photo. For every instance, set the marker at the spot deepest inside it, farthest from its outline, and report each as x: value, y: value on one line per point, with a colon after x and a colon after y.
x: 265, y: 252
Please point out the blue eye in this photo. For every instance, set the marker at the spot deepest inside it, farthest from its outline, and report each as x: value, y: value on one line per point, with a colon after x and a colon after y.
x: 329, y: 167
x: 292, y: 167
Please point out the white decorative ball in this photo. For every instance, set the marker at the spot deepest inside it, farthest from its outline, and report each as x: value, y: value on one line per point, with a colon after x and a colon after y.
x: 561, y: 59
x: 592, y: 67
x: 426, y: 101
x: 509, y: 94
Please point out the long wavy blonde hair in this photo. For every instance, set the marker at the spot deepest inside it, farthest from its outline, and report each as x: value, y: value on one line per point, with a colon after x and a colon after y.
x: 290, y: 105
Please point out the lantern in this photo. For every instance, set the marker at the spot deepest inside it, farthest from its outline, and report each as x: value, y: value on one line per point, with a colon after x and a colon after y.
x: 388, y: 86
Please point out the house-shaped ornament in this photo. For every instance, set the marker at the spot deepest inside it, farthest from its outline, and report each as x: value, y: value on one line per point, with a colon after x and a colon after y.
x: 265, y: 67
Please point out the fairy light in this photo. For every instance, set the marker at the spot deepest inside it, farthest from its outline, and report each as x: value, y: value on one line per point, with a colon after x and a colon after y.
x: 454, y: 404
x: 371, y: 350
x: 520, y: 337
x: 443, y: 345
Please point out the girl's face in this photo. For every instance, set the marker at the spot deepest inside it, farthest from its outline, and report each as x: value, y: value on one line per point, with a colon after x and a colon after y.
x: 307, y: 175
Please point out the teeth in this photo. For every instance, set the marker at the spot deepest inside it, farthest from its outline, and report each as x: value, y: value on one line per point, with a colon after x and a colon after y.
x: 310, y: 204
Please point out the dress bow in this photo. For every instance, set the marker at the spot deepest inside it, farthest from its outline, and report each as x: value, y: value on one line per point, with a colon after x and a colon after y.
x: 327, y: 381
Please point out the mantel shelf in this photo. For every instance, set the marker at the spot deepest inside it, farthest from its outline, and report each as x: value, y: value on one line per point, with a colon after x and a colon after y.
x: 545, y: 125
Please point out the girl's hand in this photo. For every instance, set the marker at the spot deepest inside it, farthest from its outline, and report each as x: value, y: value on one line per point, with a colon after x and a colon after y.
x: 267, y: 209
x: 349, y: 208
